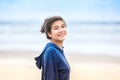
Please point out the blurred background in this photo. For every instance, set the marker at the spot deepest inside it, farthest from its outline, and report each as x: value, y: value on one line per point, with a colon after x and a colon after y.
x: 92, y: 45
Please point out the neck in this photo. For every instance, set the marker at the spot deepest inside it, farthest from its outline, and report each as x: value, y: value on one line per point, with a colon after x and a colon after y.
x: 59, y: 43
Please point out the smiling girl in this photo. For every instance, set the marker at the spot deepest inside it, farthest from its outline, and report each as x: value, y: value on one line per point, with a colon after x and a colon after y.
x: 52, y: 60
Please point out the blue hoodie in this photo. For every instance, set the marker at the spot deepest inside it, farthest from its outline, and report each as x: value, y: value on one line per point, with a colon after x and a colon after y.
x: 53, y: 63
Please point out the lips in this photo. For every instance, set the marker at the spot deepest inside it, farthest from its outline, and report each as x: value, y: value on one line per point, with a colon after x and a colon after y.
x: 62, y: 35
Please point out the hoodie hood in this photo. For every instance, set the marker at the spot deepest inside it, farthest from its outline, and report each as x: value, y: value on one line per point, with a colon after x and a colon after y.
x: 38, y: 59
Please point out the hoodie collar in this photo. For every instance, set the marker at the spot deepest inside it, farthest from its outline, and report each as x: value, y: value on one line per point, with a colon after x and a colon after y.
x: 54, y: 45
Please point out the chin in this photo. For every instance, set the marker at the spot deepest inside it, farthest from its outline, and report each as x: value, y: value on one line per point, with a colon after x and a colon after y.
x: 60, y: 40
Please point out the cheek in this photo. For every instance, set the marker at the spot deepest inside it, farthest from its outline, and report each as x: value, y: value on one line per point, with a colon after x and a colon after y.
x: 54, y: 33
x: 65, y: 30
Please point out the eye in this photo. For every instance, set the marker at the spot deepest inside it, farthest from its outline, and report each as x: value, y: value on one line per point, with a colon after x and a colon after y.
x: 56, y: 28
x: 63, y: 26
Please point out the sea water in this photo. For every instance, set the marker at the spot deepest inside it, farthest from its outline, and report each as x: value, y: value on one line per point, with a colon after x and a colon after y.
x: 87, y: 38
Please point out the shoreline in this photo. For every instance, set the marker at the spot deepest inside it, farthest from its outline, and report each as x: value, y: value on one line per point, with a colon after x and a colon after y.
x: 72, y: 57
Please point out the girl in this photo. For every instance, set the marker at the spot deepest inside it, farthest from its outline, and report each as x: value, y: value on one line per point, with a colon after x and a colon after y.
x: 52, y: 59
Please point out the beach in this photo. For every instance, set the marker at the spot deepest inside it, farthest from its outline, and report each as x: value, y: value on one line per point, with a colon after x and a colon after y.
x: 20, y: 65
x: 92, y: 45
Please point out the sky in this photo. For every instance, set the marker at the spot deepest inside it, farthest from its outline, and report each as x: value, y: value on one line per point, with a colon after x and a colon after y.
x: 84, y: 10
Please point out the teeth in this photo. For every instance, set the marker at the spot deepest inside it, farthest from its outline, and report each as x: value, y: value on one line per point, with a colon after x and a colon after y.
x: 61, y: 35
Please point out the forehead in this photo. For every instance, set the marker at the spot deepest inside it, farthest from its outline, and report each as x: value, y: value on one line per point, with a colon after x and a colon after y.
x: 58, y: 22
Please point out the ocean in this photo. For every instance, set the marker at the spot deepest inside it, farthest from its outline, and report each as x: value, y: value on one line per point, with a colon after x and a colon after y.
x: 99, y: 38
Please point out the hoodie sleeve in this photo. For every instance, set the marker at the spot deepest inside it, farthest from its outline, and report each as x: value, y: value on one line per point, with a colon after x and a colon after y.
x: 50, y: 70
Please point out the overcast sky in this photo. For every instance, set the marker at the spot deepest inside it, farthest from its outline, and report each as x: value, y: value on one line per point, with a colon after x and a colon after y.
x: 71, y: 9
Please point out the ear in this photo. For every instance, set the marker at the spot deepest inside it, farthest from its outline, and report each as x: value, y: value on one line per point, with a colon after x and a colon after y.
x: 49, y: 34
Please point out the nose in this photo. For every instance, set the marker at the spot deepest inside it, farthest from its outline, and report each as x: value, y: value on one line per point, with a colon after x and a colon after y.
x: 61, y: 29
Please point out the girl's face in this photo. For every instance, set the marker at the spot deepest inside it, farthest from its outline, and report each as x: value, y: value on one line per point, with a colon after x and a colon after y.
x: 58, y: 31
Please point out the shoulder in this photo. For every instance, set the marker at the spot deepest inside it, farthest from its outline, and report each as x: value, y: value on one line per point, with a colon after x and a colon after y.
x: 51, y: 50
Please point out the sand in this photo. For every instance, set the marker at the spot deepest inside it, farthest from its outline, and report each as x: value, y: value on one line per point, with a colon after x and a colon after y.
x: 20, y: 65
